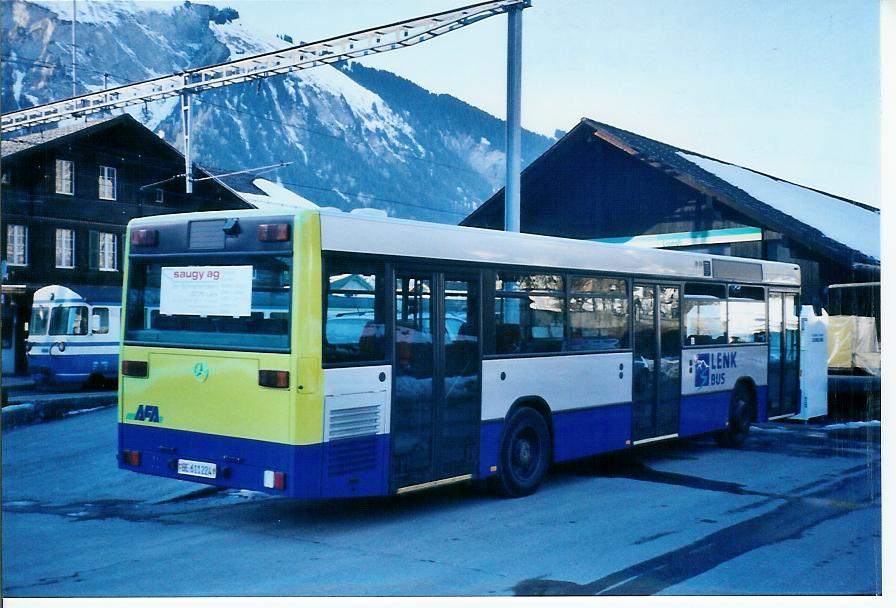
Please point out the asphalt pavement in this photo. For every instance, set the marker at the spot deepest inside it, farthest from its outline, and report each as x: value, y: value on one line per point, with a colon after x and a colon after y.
x: 796, y: 511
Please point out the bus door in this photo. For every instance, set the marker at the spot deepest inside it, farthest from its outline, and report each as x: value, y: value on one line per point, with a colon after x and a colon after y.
x: 656, y: 370
x: 436, y: 398
x: 783, y: 354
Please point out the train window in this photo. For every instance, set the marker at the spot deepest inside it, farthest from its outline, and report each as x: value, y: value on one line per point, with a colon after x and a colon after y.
x: 101, y: 320
x: 40, y: 320
x: 68, y: 321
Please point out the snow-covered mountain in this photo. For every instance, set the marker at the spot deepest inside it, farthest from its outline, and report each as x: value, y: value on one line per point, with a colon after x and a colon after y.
x: 356, y: 136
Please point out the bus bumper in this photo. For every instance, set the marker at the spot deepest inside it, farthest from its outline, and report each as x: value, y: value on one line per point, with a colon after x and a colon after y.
x: 308, y: 470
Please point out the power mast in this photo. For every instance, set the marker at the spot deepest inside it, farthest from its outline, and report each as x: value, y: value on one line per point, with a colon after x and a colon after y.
x: 292, y: 59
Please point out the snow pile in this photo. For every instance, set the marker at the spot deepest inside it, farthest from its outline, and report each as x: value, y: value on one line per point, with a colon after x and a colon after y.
x: 275, y: 197
x: 849, y: 224
x: 851, y: 425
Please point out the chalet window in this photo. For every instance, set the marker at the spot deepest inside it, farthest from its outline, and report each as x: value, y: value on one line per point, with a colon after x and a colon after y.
x: 65, y: 248
x: 6, y: 177
x: 108, y: 183
x: 16, y: 245
x: 65, y: 177
x: 160, y: 195
x: 103, y: 251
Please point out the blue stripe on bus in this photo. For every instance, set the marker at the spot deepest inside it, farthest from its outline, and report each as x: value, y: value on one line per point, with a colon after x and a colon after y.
x: 73, y: 368
x: 761, y: 404
x: 703, y: 413
x: 592, y: 431
x: 69, y: 345
x: 346, y: 467
x: 576, y: 434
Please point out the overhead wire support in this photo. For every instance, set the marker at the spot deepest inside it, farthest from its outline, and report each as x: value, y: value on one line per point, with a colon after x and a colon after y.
x: 331, y: 50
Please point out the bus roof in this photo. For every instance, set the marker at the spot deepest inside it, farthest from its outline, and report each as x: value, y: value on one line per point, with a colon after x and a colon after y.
x: 349, y: 232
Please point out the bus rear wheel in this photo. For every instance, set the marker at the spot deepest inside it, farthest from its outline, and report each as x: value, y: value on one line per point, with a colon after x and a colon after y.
x: 525, y: 453
x: 739, y: 415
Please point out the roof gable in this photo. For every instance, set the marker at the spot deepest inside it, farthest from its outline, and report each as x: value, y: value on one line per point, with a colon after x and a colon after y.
x: 815, y: 219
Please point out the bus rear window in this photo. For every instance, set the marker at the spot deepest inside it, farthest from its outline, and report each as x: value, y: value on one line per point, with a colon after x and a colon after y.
x: 222, y: 304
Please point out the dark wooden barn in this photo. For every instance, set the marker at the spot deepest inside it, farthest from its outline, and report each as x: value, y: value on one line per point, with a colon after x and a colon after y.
x: 67, y: 196
x: 603, y: 183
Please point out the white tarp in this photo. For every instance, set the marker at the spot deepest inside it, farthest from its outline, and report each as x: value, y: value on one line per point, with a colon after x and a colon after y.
x: 206, y: 290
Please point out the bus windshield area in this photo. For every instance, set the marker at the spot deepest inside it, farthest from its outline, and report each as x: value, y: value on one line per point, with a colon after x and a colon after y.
x: 221, y: 303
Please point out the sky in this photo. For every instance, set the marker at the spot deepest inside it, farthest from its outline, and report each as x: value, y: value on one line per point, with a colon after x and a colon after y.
x: 789, y: 88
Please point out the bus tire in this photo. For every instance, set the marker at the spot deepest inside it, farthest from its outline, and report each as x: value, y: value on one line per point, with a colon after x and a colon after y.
x: 525, y: 453
x: 740, y: 412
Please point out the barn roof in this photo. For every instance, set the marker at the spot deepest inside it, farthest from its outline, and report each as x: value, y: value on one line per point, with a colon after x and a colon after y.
x: 832, y: 225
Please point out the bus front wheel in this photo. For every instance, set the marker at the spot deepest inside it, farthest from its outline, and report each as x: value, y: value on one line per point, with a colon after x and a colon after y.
x: 525, y: 453
x: 739, y: 414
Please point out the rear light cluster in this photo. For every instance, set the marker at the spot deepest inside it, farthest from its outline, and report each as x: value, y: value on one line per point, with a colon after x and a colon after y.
x: 131, y: 457
x: 273, y: 232
x: 275, y: 480
x: 273, y: 378
x: 145, y: 237
x: 135, y: 369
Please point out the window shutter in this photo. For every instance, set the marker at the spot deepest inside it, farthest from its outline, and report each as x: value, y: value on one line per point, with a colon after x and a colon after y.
x: 94, y: 255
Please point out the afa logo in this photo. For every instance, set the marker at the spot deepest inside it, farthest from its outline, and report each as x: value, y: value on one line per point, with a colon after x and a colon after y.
x: 709, y: 368
x: 146, y: 413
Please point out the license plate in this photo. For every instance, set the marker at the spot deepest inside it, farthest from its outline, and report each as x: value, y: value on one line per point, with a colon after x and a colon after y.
x: 197, y: 469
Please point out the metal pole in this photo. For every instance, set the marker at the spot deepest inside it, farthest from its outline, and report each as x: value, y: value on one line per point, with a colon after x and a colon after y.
x: 188, y: 157
x: 74, y: 19
x: 514, y: 89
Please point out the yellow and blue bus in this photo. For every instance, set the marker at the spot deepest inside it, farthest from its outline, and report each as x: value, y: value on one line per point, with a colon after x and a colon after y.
x: 317, y: 353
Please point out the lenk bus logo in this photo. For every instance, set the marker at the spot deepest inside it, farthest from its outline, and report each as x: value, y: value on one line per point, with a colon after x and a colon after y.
x: 709, y: 368
x: 146, y: 413
x: 200, y: 371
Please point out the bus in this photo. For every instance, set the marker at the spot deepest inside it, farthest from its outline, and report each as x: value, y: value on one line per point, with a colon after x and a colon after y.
x: 73, y: 336
x: 329, y: 354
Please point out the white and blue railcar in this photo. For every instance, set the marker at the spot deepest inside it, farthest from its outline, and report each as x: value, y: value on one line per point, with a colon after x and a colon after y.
x: 73, y: 336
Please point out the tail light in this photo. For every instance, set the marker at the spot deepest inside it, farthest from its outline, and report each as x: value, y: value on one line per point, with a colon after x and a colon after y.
x: 275, y: 480
x: 273, y: 378
x: 132, y: 457
x: 145, y: 237
x: 273, y: 232
x: 135, y: 369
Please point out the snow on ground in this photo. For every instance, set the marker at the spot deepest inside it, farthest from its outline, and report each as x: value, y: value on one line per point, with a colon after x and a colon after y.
x: 152, y: 114
x: 852, y: 425
x: 241, y: 41
x: 855, y: 227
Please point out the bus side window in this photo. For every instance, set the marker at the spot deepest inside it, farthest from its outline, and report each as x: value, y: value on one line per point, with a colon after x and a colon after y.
x: 705, y: 314
x: 746, y: 314
x: 354, y: 312
x: 100, y: 320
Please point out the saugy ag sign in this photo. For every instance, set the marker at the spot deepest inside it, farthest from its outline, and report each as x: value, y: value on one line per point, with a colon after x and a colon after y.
x: 206, y: 290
